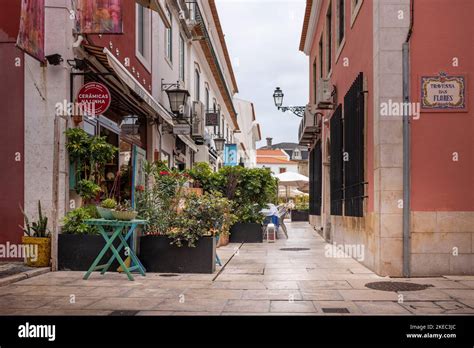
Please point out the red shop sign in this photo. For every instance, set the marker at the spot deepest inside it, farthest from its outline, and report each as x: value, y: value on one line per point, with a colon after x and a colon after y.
x: 94, y: 98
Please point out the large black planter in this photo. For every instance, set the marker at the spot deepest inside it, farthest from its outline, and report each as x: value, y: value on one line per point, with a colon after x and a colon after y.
x: 246, y: 233
x: 299, y: 215
x: 76, y: 252
x: 158, y: 255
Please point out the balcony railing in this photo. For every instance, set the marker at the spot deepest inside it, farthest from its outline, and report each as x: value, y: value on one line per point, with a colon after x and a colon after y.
x: 309, y: 130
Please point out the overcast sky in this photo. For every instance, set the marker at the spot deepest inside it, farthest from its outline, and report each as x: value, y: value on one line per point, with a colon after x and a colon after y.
x: 263, y: 40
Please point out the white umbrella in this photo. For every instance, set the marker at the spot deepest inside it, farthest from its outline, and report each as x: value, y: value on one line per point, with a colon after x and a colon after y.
x: 292, y: 179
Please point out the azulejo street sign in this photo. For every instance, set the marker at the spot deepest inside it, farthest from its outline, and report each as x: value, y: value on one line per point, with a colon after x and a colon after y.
x: 443, y: 92
x: 230, y: 155
x: 95, y: 98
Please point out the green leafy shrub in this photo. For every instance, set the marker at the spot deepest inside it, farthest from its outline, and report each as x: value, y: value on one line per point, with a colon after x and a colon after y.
x: 74, y: 222
x: 159, y: 201
x: 206, y: 215
x: 108, y: 203
x: 250, y: 189
x: 90, y: 154
x: 87, y: 189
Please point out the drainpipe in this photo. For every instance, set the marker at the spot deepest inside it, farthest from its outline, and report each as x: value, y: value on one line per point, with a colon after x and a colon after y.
x: 406, y: 149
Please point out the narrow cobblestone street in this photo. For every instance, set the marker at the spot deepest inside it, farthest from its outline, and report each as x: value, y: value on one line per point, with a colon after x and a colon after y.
x: 259, y: 279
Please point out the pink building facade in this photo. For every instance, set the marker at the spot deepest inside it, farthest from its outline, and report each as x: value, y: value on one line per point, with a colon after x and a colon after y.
x: 390, y: 126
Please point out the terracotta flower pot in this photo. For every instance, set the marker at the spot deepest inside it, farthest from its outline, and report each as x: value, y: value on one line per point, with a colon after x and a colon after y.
x: 41, y: 251
x: 223, y: 240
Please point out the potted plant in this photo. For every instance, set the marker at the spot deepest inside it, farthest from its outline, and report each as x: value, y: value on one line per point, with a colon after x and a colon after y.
x: 249, y: 189
x: 105, y: 208
x: 124, y: 212
x: 301, y: 209
x: 37, y: 237
x: 78, y: 243
x: 88, y: 156
x: 188, y: 245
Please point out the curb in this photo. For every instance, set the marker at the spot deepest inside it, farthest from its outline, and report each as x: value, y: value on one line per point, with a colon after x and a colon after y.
x: 24, y: 275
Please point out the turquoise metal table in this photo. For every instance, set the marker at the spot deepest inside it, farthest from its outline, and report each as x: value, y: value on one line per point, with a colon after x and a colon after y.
x: 123, y: 230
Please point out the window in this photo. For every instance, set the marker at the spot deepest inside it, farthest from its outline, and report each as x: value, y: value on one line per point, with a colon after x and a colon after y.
x: 143, y: 35
x: 336, y: 165
x: 169, y: 36
x: 181, y: 58
x: 321, y: 57
x: 354, y: 185
x: 355, y: 8
x: 315, y: 77
x: 328, y: 39
x: 315, y: 177
x: 197, y: 85
x: 282, y: 170
x: 207, y: 99
x: 340, y: 21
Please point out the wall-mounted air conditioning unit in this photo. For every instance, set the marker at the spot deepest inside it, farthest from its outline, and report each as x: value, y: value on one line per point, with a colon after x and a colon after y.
x: 323, y: 94
x: 198, y: 124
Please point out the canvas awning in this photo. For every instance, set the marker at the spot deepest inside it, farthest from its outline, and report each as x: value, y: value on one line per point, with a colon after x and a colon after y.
x: 155, y: 5
x: 127, y: 78
x: 188, y: 141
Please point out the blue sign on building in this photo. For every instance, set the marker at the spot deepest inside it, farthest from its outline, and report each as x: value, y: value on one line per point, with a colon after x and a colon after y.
x: 230, y: 155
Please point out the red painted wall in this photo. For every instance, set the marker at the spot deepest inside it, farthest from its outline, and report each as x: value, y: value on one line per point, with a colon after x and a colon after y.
x: 126, y: 44
x: 359, y: 50
x: 12, y: 130
x: 442, y: 30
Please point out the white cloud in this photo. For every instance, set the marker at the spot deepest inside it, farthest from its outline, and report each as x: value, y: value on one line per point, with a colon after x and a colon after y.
x: 265, y: 36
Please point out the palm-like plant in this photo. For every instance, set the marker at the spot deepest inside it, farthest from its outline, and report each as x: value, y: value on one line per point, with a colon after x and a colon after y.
x: 37, y: 228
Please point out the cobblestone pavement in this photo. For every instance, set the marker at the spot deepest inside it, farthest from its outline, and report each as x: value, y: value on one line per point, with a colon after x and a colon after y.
x: 259, y: 279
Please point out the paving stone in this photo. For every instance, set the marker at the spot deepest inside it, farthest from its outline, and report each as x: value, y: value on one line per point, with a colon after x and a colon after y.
x: 281, y: 285
x: 120, y: 303
x: 191, y: 305
x: 467, y: 294
x: 368, y: 295
x: 223, y: 294
x: 237, y: 285
x: 322, y: 295
x: 272, y: 295
x: 381, y: 307
x: 247, y: 306
x: 292, y: 307
x: 422, y: 307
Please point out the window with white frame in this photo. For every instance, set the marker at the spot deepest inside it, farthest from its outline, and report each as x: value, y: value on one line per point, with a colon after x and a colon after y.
x: 181, y: 58
x: 355, y: 8
x: 329, y: 38
x: 143, y: 35
x: 341, y: 22
x: 197, y: 85
x: 207, y: 98
x: 169, y: 36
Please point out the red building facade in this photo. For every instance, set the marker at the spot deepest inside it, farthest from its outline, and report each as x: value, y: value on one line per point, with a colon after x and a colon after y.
x: 375, y: 183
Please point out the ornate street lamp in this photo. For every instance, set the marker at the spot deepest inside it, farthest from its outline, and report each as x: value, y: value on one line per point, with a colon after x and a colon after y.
x: 219, y: 142
x: 278, y: 98
x: 177, y: 97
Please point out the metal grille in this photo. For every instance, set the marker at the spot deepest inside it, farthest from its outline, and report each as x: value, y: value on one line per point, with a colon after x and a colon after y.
x: 397, y: 286
x: 315, y: 175
x: 335, y: 310
x: 337, y: 171
x: 354, y: 149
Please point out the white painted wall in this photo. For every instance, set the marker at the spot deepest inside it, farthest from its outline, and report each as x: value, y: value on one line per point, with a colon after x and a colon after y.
x: 275, y: 168
x: 247, y: 136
